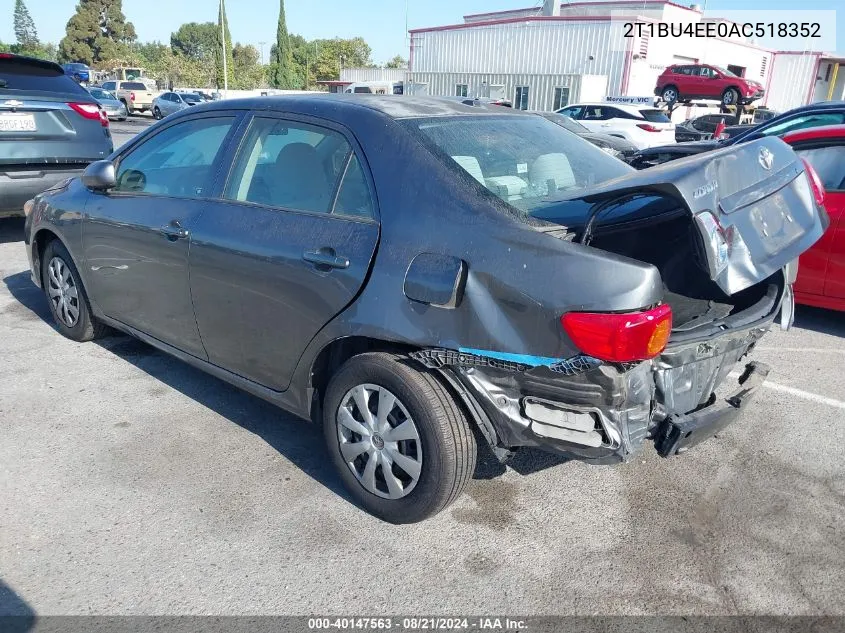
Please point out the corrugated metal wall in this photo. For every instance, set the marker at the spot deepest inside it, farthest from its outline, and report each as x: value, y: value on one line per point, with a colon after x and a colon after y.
x: 541, y: 88
x: 791, y: 79
x: 523, y: 49
x: 372, y: 74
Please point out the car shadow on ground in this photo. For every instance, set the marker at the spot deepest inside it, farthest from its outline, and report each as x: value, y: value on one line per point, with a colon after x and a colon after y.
x: 11, y: 230
x: 299, y: 441
x: 16, y: 616
x: 820, y: 320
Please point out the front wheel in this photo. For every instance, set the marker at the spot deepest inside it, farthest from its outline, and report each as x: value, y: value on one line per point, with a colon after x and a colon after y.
x: 66, y: 296
x: 730, y: 97
x: 156, y: 113
x: 401, y: 443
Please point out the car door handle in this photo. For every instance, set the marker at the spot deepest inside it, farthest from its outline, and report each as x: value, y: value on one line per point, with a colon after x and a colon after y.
x: 174, y: 231
x: 326, y: 258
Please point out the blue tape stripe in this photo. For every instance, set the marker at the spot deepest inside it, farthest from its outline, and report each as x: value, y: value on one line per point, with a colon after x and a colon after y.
x: 524, y: 359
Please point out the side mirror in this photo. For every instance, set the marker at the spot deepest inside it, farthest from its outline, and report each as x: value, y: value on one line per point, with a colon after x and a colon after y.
x: 99, y: 176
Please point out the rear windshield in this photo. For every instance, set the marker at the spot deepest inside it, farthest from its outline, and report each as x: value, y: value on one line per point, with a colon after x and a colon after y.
x: 527, y: 161
x: 655, y: 116
x: 17, y: 75
x: 133, y: 85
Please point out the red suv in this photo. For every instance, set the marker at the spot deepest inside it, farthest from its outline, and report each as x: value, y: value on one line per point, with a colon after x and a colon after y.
x: 700, y: 81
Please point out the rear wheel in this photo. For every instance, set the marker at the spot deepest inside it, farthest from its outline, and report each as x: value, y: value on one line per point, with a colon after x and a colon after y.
x: 730, y: 97
x: 66, y: 296
x: 669, y: 94
x: 156, y: 113
x: 401, y: 443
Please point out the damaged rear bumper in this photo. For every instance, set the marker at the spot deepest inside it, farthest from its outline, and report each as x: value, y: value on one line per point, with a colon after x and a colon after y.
x: 600, y: 412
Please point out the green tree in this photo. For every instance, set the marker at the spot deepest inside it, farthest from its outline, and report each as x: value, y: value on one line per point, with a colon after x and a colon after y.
x: 284, y: 75
x: 397, y: 62
x: 249, y: 73
x: 195, y: 40
x: 223, y: 47
x: 98, y: 31
x: 25, y: 31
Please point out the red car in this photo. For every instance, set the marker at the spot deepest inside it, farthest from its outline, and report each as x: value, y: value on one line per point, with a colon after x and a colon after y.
x: 821, y: 272
x: 701, y: 81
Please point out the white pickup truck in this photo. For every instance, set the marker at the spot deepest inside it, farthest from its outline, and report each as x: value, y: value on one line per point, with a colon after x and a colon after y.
x: 135, y: 95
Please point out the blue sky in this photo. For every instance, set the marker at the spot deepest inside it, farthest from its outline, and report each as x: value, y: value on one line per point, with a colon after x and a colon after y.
x: 380, y: 22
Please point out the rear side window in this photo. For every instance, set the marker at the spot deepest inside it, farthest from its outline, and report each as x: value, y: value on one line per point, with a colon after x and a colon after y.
x: 353, y: 198
x: 133, y: 85
x: 654, y: 116
x: 26, y: 76
x: 290, y: 165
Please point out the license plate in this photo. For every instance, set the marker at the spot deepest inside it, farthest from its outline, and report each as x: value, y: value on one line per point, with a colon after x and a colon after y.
x: 17, y: 123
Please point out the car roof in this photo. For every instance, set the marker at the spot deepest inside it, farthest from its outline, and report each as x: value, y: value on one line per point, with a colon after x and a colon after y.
x: 394, y: 106
x: 809, y: 134
x: 628, y: 107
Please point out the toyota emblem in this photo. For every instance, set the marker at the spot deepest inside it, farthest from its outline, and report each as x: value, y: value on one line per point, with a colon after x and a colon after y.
x: 766, y: 159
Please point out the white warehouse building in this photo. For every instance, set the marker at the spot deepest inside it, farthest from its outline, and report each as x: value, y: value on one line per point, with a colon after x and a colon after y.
x: 543, y: 58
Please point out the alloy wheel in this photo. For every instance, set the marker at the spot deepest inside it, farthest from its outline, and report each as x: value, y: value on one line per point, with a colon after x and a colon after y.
x: 379, y: 441
x: 63, y: 292
x: 669, y: 95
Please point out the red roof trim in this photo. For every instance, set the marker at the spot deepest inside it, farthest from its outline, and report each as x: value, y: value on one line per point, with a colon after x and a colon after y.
x: 582, y: 4
x: 828, y: 131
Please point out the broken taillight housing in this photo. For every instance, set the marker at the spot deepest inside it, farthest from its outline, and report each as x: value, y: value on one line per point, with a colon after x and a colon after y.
x: 815, y: 182
x: 715, y: 242
x: 620, y: 338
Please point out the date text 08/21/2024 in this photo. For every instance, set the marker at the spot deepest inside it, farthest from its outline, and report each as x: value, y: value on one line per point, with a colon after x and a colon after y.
x: 417, y: 624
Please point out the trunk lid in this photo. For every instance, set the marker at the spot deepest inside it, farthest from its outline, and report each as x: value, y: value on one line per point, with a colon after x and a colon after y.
x: 753, y: 206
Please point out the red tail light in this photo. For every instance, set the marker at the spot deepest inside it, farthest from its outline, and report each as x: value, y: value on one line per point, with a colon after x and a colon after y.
x: 648, y: 127
x: 815, y: 182
x: 620, y: 338
x: 132, y: 96
x: 91, y: 111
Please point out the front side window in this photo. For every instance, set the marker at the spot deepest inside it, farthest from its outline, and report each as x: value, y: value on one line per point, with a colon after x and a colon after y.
x: 290, y: 165
x: 528, y: 162
x: 829, y: 163
x: 176, y: 162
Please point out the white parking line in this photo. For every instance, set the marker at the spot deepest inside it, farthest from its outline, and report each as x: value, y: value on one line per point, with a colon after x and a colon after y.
x: 800, y: 393
x: 812, y: 350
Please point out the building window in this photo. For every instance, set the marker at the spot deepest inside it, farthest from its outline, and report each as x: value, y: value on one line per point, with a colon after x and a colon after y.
x: 461, y: 90
x: 521, y: 102
x: 561, y: 98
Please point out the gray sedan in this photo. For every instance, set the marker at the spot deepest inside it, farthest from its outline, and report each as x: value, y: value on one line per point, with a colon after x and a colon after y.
x: 505, y: 282
x: 114, y: 108
x: 169, y: 102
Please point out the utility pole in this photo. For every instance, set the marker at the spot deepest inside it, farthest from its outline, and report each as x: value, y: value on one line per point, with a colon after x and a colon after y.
x: 262, y: 44
x: 223, y: 38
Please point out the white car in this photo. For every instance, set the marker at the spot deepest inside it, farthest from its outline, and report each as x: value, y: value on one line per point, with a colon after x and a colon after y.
x: 644, y: 126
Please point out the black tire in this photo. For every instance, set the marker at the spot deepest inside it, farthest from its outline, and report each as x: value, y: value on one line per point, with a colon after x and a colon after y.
x: 449, y: 451
x: 730, y: 97
x: 157, y: 114
x: 85, y: 327
x: 667, y: 94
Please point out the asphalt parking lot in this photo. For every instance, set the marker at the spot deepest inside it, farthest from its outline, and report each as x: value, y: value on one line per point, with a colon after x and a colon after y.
x: 123, y: 131
x: 134, y: 484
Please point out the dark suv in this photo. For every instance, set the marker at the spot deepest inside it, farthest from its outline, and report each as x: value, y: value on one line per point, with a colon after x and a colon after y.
x: 700, y: 81
x: 51, y: 128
